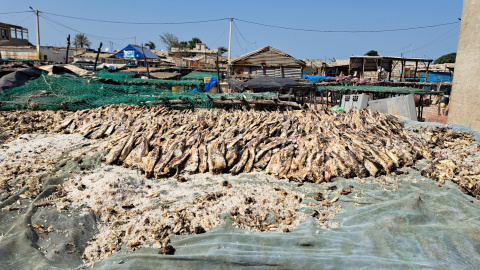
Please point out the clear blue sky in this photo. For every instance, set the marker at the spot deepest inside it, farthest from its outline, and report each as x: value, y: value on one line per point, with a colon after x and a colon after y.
x: 316, y: 15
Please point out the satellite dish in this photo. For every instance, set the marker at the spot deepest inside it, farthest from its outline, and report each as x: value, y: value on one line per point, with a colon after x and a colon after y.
x: 106, y: 49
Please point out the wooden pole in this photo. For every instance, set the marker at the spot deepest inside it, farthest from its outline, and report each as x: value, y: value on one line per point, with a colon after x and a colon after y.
x: 363, y: 68
x: 218, y: 76
x: 391, y: 69
x: 68, y: 48
x: 426, y: 72
x: 415, y: 74
x: 145, y: 59
x: 96, y: 58
x: 402, y: 75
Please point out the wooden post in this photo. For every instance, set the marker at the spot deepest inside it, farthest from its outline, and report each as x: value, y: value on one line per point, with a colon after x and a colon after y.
x: 218, y: 76
x: 146, y: 64
x: 380, y: 67
x: 363, y: 68
x: 96, y: 58
x: 426, y: 72
x: 391, y: 69
x: 415, y: 74
x: 68, y: 48
x: 402, y: 75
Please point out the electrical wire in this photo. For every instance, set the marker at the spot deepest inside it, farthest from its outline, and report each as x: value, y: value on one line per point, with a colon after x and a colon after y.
x: 15, y: 12
x: 28, y: 17
x: 234, y: 34
x: 257, y: 23
x: 235, y: 25
x: 435, y: 40
x: 399, y: 49
x: 348, y: 31
x: 53, y: 26
x: 219, y: 37
x: 118, y: 22
x: 93, y: 36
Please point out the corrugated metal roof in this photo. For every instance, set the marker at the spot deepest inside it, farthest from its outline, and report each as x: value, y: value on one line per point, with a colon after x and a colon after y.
x: 268, y: 56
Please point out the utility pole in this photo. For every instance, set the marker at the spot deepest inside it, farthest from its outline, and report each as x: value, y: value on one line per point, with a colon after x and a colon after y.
x: 411, y: 50
x: 218, y: 75
x: 229, y: 47
x: 230, y: 41
x: 38, y: 33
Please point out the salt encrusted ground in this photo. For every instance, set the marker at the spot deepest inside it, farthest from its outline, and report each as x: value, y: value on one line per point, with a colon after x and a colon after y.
x: 137, y: 211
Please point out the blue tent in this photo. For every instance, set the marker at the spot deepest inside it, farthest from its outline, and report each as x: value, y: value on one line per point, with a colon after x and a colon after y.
x: 134, y: 52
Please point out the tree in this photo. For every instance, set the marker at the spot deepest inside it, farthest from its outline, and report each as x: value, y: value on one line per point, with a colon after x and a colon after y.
x: 222, y: 50
x: 170, y: 40
x: 81, y: 40
x: 447, y: 58
x: 372, y: 53
x: 193, y: 42
x: 150, y: 45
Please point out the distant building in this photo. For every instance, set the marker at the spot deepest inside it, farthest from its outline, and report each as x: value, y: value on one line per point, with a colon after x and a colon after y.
x: 268, y: 61
x: 13, y: 35
x: 437, y: 73
x: 200, y: 56
x: 335, y: 68
x: 165, y: 58
x: 376, y: 67
x: 14, y: 45
x: 314, y: 66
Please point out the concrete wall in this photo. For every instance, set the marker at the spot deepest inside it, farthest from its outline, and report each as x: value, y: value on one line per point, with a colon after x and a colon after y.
x: 55, y: 54
x: 48, y: 53
x: 19, y: 52
x: 465, y: 98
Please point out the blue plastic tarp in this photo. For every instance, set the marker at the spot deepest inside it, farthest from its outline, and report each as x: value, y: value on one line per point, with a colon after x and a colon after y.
x: 314, y: 77
x: 135, y: 52
x: 210, y: 84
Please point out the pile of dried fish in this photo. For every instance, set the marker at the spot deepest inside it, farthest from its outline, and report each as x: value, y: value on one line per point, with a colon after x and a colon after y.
x: 14, y: 123
x: 298, y: 145
x: 456, y: 159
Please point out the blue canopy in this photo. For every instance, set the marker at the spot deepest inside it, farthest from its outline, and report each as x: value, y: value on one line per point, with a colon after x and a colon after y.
x: 135, y: 52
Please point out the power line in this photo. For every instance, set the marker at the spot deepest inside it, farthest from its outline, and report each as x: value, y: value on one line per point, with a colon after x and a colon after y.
x: 28, y: 17
x: 238, y: 42
x: 15, y: 12
x: 399, y: 49
x: 257, y: 23
x: 348, y: 31
x: 94, y: 36
x: 53, y: 26
x: 220, y: 37
x: 435, y: 40
x: 235, y: 25
x: 118, y: 22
